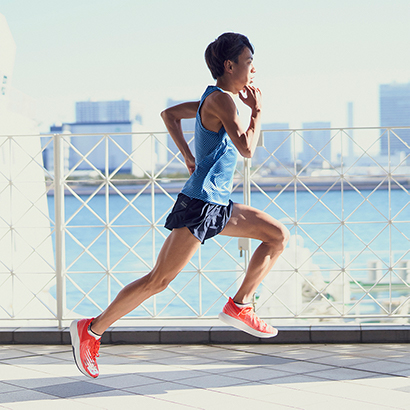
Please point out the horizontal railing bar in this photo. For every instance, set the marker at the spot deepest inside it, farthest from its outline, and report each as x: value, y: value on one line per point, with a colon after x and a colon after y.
x: 375, y: 280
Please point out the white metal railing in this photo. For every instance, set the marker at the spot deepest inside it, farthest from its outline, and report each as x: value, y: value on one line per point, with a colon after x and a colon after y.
x: 75, y: 228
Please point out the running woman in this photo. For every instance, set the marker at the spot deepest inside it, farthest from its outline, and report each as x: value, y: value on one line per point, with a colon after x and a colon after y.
x: 203, y: 208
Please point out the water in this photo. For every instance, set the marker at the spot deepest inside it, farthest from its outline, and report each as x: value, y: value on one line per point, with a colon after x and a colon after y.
x: 364, y: 236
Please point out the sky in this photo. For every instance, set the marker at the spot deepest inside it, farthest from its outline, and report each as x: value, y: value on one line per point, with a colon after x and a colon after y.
x: 312, y: 57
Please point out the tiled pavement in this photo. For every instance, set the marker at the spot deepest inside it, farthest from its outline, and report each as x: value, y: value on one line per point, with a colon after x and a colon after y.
x: 297, y: 376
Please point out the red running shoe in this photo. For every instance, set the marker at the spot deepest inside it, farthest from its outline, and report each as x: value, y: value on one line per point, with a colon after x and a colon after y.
x: 85, y: 348
x: 246, y: 319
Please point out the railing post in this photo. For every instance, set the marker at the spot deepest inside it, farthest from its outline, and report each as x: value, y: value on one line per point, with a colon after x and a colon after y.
x: 246, y: 243
x: 59, y: 225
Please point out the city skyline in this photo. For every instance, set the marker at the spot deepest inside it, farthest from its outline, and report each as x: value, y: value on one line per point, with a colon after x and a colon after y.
x: 312, y: 58
x: 395, y: 112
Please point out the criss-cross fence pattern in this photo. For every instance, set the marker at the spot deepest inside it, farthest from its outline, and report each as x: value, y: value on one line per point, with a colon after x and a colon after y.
x: 82, y: 216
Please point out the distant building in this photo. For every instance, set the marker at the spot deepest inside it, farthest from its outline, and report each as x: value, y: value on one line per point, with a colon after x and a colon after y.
x: 315, y: 140
x: 102, y: 112
x: 395, y: 112
x: 103, y: 118
x: 277, y: 146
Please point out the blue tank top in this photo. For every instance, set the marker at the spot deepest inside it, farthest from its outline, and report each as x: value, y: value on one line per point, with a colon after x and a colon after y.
x: 215, y: 162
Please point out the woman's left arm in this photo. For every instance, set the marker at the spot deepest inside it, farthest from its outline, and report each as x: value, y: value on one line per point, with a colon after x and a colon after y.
x: 172, y: 117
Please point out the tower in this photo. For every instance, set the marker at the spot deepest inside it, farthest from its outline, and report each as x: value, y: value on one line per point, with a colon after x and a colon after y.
x: 316, y: 139
x: 278, y: 144
x: 395, y: 112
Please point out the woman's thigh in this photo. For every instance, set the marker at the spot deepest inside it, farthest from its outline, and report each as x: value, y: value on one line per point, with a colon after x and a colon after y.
x: 176, y: 252
x: 249, y: 222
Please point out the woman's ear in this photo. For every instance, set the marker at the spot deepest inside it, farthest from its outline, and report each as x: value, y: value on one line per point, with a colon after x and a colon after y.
x: 228, y: 66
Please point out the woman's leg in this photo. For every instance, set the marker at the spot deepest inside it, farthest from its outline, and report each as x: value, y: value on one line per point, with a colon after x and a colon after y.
x: 248, y: 222
x: 175, y: 254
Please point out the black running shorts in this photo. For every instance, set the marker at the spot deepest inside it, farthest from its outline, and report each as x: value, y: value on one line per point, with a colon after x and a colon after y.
x: 203, y: 219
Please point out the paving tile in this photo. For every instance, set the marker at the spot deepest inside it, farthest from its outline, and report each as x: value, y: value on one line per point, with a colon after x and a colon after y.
x: 33, y: 360
x: 366, y: 394
x: 7, y: 354
x: 184, y: 361
x: 171, y: 374
x: 63, y: 356
x: 156, y: 354
x: 384, y: 353
x: 296, y: 381
x: 383, y: 366
x: 218, y: 353
x: 337, y: 403
x: 127, y: 400
x: 53, y: 404
x: 216, y: 367
x: 301, y: 367
x: 382, y: 381
x: 405, y: 359
x: 211, y: 381
x: 274, y: 349
x: 342, y: 348
x: 250, y: 390
x: 338, y: 373
x: 296, y: 398
x: 405, y: 389
x: 305, y: 354
x: 72, y: 389
x: 159, y: 389
x: 212, y: 399
x: 125, y: 381
x: 251, y: 359
x: 271, y: 395
x: 314, y: 376
x: 7, y: 387
x: 23, y: 396
x: 41, y: 349
x: 256, y: 373
x: 8, y: 373
x: 342, y: 360
x: 38, y: 382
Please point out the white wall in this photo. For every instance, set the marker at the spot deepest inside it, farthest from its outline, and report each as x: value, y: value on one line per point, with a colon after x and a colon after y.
x: 26, y: 251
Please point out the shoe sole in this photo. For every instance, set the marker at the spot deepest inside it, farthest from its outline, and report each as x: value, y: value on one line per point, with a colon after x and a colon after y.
x: 75, y: 342
x: 229, y: 320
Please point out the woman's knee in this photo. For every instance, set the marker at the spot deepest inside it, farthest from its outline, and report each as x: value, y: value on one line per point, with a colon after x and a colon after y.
x: 156, y: 283
x: 278, y: 235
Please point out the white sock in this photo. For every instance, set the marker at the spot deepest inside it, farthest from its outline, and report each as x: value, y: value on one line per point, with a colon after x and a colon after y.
x: 91, y: 333
x: 242, y: 305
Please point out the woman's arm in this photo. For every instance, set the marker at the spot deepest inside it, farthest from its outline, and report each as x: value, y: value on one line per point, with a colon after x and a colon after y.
x: 172, y: 118
x: 219, y: 109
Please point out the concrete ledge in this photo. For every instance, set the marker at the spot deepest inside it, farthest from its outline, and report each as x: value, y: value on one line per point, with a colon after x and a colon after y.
x: 385, y: 334
x: 345, y: 334
x: 216, y: 335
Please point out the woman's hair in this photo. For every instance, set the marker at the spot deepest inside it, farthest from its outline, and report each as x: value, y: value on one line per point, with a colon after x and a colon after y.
x: 227, y: 46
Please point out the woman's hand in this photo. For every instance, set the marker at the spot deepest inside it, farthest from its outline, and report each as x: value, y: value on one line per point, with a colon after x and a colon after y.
x: 252, y: 97
x: 190, y: 164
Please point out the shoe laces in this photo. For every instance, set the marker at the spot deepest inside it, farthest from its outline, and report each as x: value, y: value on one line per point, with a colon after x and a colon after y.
x: 94, y: 349
x: 249, y: 311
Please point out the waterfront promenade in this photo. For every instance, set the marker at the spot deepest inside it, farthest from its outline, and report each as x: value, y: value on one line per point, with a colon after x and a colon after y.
x: 167, y: 377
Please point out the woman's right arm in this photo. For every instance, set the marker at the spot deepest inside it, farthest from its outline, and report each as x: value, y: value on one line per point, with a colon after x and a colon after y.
x: 172, y: 117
